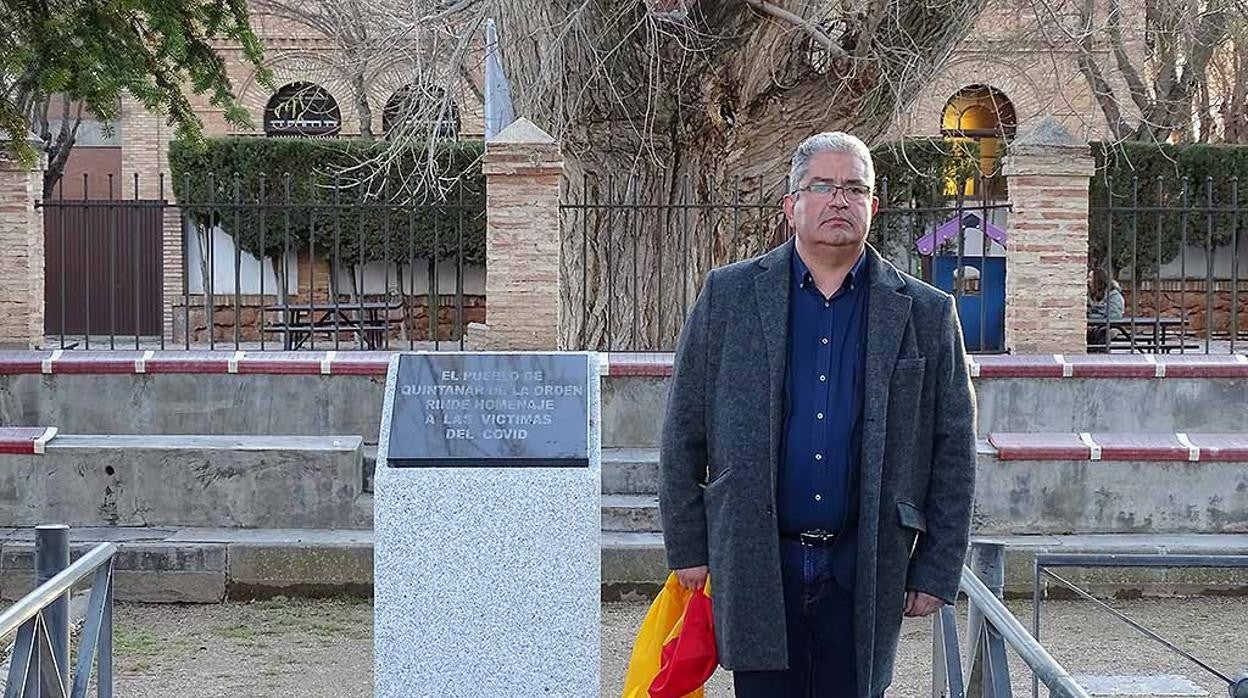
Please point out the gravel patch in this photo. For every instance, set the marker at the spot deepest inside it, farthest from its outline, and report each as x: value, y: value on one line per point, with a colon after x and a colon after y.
x: 314, y: 648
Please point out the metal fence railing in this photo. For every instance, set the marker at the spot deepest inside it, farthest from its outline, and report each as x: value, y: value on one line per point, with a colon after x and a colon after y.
x: 1236, y: 687
x: 632, y: 267
x: 40, y: 661
x: 267, y: 263
x: 1167, y: 253
x: 991, y: 630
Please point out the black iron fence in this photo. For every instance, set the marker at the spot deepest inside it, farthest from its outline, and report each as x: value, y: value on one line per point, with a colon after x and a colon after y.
x: 265, y: 263
x: 1165, y: 258
x: 635, y: 251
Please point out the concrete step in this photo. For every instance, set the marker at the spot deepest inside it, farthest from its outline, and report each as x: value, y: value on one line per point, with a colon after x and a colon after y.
x: 634, y: 564
x: 1126, y: 482
x: 208, y: 565
x: 1154, y: 686
x: 209, y: 481
x: 193, y: 392
x: 630, y: 470
x: 631, y: 513
x: 369, y: 466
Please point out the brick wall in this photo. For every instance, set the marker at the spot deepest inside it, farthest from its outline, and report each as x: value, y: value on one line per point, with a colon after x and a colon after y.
x: 1192, y: 300
x: 411, y: 323
x: 21, y: 256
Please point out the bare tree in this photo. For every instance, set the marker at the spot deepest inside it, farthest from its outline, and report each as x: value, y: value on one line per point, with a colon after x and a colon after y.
x: 1151, y: 76
x: 697, y: 101
x: 1222, y: 111
x: 659, y: 102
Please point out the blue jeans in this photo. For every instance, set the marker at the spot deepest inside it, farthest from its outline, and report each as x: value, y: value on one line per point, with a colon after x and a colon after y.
x: 819, y: 615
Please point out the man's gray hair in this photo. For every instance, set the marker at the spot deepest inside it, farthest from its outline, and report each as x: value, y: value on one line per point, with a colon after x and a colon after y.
x: 829, y: 142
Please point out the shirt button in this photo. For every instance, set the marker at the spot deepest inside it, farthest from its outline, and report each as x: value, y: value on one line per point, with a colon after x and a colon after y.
x: 824, y: 340
x: 823, y: 378
x: 818, y: 456
x: 818, y: 498
x: 827, y: 304
x: 819, y: 415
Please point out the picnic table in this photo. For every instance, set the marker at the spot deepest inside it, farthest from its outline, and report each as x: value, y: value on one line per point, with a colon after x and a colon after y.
x: 1143, y: 334
x: 370, y: 321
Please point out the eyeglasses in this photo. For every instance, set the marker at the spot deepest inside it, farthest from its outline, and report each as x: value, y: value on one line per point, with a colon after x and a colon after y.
x: 853, y: 192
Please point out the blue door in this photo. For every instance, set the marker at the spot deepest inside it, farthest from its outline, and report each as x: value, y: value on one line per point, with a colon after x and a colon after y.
x: 981, y: 306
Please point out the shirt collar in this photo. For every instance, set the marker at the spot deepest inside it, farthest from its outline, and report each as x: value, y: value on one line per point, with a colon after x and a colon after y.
x: 801, y: 273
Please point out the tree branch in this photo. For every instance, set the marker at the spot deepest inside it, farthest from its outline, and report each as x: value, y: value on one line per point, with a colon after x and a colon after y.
x: 1135, y: 84
x: 453, y: 9
x: 1100, y: 87
x: 876, y: 9
x: 835, y: 52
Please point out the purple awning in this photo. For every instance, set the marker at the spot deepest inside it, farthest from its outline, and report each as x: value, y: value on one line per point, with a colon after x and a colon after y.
x: 949, y: 230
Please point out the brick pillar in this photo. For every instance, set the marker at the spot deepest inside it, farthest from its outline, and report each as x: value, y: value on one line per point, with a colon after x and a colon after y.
x: 523, y: 166
x: 145, y: 140
x: 21, y: 255
x: 1047, y: 255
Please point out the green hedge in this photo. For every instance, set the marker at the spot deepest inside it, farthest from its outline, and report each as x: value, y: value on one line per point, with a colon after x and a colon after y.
x: 1154, y: 180
x: 329, y: 211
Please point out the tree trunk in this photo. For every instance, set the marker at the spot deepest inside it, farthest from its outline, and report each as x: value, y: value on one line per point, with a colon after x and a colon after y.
x: 360, y: 88
x: 1235, y: 120
x: 661, y: 116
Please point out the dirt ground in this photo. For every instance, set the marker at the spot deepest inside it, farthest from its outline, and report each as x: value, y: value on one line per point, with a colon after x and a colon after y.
x: 324, y: 648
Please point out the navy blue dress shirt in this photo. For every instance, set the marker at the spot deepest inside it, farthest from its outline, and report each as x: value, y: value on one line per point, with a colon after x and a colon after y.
x: 818, y: 480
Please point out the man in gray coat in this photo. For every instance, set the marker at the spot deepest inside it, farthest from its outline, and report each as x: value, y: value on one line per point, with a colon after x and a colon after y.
x: 818, y: 450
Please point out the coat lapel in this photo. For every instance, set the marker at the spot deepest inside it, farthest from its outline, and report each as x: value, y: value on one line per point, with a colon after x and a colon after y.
x: 888, y: 313
x: 771, y: 294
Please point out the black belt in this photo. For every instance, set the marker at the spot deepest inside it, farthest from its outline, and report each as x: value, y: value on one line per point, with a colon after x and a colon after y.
x: 817, y: 538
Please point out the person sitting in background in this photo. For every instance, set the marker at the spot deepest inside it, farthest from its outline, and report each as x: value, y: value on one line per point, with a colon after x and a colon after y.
x: 1105, y: 303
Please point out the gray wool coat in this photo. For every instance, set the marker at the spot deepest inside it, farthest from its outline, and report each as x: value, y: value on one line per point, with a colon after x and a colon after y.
x: 721, y: 449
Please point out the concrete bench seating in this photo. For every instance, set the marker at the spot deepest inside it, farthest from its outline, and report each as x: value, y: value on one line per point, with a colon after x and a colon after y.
x: 1041, y: 483
x: 161, y: 480
x: 1030, y: 483
x: 340, y: 392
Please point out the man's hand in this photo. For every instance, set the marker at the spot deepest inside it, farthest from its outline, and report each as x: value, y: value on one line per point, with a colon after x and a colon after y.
x: 693, y: 578
x: 920, y: 605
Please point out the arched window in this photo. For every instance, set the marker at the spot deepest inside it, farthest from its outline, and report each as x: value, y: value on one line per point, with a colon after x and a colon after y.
x: 302, y: 109
x: 423, y: 106
x: 985, y: 115
x: 979, y: 111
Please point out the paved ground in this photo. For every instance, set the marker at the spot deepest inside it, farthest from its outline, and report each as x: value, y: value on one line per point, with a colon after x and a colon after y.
x: 324, y: 648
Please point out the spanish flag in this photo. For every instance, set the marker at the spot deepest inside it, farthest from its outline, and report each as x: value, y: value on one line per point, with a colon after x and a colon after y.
x: 674, y: 653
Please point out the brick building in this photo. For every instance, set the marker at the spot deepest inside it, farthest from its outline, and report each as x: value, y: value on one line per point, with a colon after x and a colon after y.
x: 1014, y: 69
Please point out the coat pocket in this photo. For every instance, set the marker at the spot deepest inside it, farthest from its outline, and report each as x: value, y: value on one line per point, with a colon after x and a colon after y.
x: 910, y: 516
x: 718, y: 477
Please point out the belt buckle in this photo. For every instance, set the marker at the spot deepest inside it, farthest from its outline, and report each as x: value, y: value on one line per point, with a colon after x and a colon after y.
x: 816, y: 537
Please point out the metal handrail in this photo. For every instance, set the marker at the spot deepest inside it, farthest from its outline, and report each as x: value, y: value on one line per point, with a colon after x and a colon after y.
x: 1043, y: 665
x: 1237, y: 687
x: 31, y: 604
